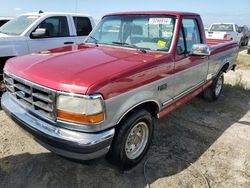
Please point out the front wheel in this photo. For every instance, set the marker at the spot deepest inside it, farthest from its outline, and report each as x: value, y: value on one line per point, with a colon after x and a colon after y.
x: 132, y: 140
x: 2, y: 88
x: 214, y: 91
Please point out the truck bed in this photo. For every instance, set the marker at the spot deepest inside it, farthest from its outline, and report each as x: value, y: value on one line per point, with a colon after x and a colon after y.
x: 217, y: 45
x: 212, y: 42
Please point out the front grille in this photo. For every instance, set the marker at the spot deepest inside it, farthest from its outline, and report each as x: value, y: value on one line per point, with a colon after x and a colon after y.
x: 35, y: 98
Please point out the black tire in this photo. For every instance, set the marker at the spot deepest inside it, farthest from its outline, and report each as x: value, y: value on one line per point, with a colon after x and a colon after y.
x: 242, y: 42
x: 117, y: 154
x: 248, y: 51
x: 2, y: 89
x: 211, y: 93
x: 246, y: 42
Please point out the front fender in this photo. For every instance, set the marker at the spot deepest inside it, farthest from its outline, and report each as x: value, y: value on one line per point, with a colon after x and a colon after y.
x: 10, y: 48
x: 119, y: 106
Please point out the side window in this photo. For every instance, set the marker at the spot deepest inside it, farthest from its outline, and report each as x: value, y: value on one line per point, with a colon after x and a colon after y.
x: 55, y: 26
x: 237, y: 28
x: 192, y: 33
x: 181, y: 44
x: 83, y: 26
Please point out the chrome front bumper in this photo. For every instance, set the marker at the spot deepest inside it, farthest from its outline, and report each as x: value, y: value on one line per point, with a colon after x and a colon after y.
x: 68, y: 143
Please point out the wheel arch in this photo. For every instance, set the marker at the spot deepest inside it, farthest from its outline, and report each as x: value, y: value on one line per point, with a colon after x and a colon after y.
x: 150, y: 105
x: 3, y: 60
x: 225, y: 67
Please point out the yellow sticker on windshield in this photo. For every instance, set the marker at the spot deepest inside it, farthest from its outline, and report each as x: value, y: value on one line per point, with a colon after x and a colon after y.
x: 162, y: 43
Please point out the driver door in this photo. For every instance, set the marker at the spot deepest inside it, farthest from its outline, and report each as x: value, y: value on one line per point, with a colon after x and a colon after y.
x: 190, y: 71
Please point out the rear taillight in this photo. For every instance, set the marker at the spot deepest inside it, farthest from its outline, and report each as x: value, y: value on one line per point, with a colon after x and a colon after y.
x: 225, y: 37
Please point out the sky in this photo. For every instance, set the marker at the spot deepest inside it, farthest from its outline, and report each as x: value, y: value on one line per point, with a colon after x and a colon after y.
x: 237, y: 11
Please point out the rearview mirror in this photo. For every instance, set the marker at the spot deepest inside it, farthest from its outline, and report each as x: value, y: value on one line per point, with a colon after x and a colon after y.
x: 200, y: 50
x: 39, y: 33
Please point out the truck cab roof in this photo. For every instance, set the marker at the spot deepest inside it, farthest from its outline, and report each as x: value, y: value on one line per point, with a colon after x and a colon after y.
x: 5, y: 18
x: 172, y: 13
x: 222, y: 23
x: 55, y: 13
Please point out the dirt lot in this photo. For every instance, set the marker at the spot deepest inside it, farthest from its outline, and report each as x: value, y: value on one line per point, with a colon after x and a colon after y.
x: 201, y: 144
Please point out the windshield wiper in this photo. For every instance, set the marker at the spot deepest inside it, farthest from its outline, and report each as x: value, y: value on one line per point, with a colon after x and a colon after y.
x: 132, y: 45
x: 125, y: 44
x: 95, y: 40
x: 162, y: 50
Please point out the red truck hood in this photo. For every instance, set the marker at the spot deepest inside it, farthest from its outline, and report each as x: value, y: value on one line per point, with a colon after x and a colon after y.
x: 76, y: 68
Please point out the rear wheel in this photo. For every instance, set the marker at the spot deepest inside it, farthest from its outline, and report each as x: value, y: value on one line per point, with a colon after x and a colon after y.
x: 246, y: 41
x: 242, y: 42
x: 214, y: 91
x: 132, y: 140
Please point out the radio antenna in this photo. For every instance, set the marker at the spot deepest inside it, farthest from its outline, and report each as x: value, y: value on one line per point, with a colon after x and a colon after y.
x: 76, y: 7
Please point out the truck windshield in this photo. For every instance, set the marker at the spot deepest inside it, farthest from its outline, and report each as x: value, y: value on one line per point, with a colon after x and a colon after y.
x: 18, y: 25
x: 147, y: 32
x: 222, y: 27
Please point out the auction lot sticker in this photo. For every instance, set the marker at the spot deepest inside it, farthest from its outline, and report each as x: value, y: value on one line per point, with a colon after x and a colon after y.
x: 157, y: 21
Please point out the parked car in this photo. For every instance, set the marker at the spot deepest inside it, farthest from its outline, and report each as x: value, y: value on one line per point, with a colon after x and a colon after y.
x: 35, y: 32
x: 84, y: 101
x: 245, y: 35
x: 225, y: 31
x: 206, y: 29
x: 4, y: 20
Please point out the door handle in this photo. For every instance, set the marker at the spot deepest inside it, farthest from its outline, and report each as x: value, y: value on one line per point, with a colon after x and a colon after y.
x: 69, y: 42
x: 205, y: 57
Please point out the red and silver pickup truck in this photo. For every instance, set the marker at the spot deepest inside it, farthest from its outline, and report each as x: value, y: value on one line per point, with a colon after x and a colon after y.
x: 103, y: 96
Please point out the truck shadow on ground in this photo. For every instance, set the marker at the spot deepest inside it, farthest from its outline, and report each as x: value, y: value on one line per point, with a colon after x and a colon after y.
x: 184, y: 134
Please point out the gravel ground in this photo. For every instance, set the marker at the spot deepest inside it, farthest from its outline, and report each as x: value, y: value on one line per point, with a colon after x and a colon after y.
x: 201, y: 144
x: 242, y: 75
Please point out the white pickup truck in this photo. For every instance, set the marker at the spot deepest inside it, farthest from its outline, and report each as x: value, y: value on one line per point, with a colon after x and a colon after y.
x: 35, y: 32
x: 225, y: 31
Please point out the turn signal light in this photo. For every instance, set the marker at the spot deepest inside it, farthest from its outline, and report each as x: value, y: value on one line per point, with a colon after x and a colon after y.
x: 80, y: 118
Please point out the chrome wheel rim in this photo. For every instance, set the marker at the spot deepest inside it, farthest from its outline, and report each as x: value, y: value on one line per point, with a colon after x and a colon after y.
x: 218, y: 86
x: 137, y: 140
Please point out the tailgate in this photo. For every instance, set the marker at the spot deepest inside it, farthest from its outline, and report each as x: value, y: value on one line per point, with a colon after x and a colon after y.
x: 215, y: 35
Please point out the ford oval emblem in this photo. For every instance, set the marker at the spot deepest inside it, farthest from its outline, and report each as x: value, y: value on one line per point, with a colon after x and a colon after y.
x: 21, y: 93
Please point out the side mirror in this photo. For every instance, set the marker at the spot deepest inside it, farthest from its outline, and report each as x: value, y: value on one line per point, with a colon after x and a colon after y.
x: 39, y: 33
x: 200, y: 50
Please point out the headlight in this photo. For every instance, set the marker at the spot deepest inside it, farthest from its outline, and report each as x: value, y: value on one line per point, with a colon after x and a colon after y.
x: 80, y: 109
